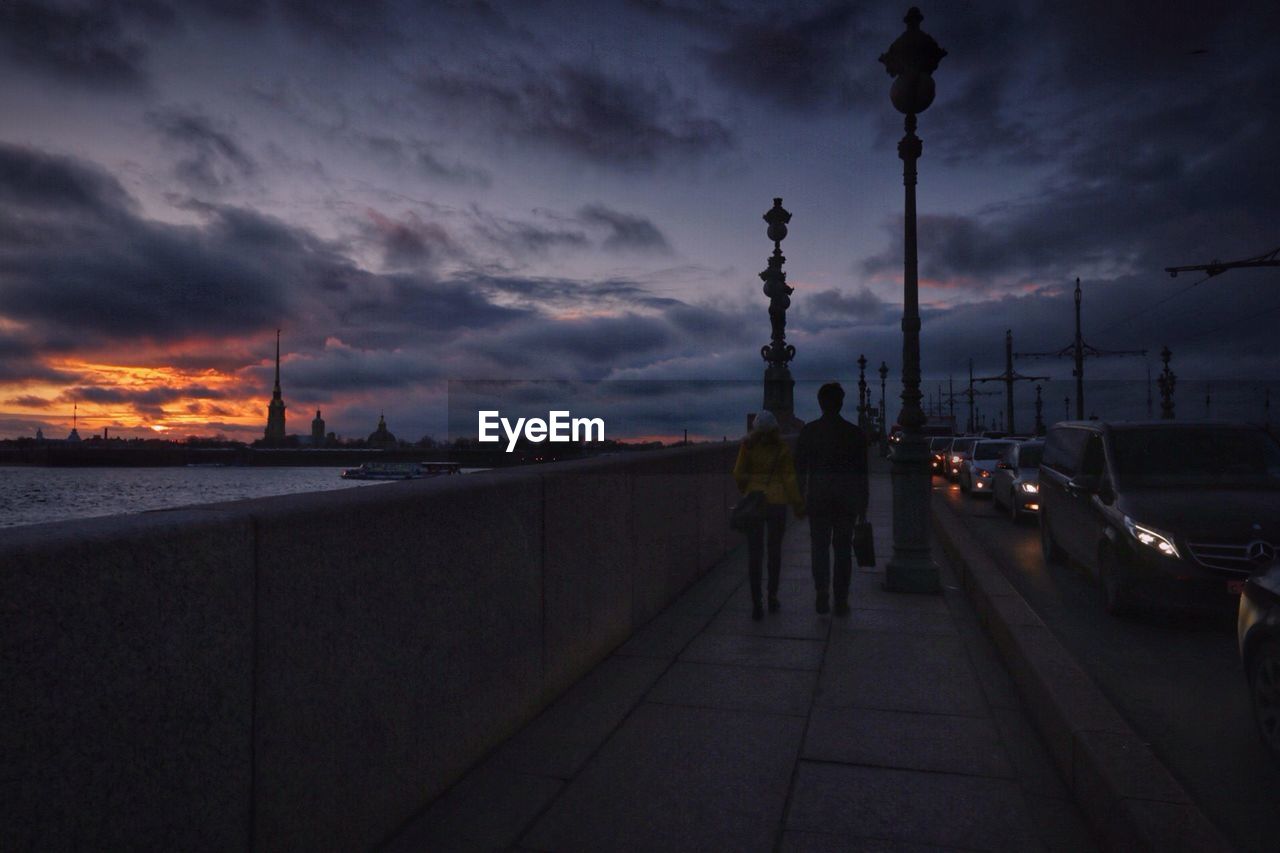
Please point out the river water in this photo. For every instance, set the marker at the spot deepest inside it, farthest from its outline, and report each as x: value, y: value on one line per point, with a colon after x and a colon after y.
x: 33, y: 495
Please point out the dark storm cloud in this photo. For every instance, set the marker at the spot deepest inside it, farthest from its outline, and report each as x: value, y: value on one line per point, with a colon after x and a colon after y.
x: 523, y: 237
x: 366, y: 24
x: 29, y: 401
x: 410, y: 242
x: 961, y: 248
x: 150, y: 398
x: 413, y: 153
x: 92, y: 44
x: 51, y: 183
x: 582, y: 111
x: 567, y: 294
x: 240, y: 11
x: 832, y: 305
x: 626, y: 232
x: 581, y: 347
x: 103, y: 272
x: 398, y: 310
x: 340, y: 369
x: 808, y: 62
x: 712, y: 15
x: 213, y: 159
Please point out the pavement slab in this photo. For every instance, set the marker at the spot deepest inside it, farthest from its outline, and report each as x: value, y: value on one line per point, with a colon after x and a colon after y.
x: 678, y: 778
x: 738, y: 687
x: 899, y: 671
x: 936, y: 742
x: 561, y: 739
x: 972, y: 812
x: 740, y: 650
x: 895, y: 729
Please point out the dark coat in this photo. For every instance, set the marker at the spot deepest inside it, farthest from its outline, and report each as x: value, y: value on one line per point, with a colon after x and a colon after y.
x: 831, y: 464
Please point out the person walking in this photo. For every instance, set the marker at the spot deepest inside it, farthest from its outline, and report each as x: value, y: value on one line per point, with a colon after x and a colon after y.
x: 765, y: 465
x: 831, y: 465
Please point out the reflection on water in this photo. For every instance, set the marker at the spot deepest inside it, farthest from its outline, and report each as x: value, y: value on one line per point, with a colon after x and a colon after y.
x: 30, y: 495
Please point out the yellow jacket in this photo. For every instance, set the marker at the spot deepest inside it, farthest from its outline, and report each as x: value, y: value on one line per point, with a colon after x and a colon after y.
x: 752, y: 473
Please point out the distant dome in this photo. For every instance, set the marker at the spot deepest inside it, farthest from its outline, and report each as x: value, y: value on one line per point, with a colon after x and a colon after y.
x: 382, y: 437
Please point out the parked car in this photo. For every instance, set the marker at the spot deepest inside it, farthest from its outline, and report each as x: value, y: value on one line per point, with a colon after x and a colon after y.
x: 938, y: 446
x: 1258, y: 627
x: 959, y: 450
x: 1175, y: 513
x: 977, y: 470
x: 1015, y: 486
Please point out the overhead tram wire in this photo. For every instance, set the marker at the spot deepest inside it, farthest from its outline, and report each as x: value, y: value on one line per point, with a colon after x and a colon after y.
x: 1150, y: 308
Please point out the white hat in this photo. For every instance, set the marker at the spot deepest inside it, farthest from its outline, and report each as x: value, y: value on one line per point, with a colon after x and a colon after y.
x: 764, y: 421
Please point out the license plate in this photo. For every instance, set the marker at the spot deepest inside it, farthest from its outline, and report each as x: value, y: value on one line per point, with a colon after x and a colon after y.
x: 1235, y: 587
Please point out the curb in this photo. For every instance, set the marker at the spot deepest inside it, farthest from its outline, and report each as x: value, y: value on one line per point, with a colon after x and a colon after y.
x: 1128, y: 796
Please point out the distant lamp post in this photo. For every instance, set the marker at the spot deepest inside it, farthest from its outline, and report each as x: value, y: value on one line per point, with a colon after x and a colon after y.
x: 1066, y: 406
x: 863, y: 396
x: 1166, y: 382
x: 779, y: 387
x: 884, y: 374
x: 1039, y: 413
x: 911, y: 61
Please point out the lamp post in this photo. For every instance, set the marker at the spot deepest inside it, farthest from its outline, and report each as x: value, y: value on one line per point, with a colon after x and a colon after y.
x: 1066, y: 406
x: 862, y: 393
x: 1166, y: 380
x: 779, y: 387
x: 884, y: 374
x: 911, y: 61
x: 1039, y: 413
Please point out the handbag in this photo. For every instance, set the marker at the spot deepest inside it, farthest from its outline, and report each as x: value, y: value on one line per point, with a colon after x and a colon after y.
x: 749, y: 511
x: 864, y: 545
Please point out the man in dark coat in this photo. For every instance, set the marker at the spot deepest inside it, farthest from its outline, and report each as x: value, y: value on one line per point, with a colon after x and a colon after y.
x: 831, y: 464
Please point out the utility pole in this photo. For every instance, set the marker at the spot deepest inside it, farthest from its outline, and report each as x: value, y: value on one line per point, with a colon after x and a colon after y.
x: 1009, y: 377
x: 1266, y: 259
x: 969, y: 393
x: 1148, y: 390
x: 1167, y: 380
x: 1079, y: 350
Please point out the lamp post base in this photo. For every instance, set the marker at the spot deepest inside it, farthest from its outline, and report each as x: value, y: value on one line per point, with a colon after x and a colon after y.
x: 911, y: 568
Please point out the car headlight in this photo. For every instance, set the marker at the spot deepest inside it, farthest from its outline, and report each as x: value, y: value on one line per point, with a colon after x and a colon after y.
x: 1162, y: 542
x: 955, y: 460
x: 983, y: 472
x: 1031, y: 488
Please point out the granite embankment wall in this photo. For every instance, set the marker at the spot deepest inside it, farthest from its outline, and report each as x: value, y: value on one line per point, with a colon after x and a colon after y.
x: 306, y: 672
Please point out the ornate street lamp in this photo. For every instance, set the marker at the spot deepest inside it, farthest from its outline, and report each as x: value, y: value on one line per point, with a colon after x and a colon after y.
x: 911, y: 61
x: 863, y: 396
x: 884, y: 374
x: 1166, y: 380
x: 779, y: 387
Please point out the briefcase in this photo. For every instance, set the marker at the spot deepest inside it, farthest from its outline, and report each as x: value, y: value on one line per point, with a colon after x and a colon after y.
x: 864, y: 544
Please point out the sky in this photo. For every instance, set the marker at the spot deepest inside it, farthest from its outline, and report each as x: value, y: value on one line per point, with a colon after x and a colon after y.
x: 419, y: 193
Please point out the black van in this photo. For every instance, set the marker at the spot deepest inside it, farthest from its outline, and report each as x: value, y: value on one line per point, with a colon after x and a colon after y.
x: 1175, y: 513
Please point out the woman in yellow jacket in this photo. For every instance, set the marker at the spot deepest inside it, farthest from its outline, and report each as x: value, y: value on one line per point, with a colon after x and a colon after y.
x: 765, y: 465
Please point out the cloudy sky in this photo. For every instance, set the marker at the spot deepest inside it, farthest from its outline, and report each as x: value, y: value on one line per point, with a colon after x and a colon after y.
x: 418, y: 192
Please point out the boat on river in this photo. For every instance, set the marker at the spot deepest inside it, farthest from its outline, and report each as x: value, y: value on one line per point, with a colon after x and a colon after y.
x: 401, y: 470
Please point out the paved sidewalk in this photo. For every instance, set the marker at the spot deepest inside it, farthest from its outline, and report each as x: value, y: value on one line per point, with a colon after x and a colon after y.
x: 896, y: 728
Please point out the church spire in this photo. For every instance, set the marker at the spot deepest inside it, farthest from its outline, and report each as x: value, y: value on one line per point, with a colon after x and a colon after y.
x: 275, y: 435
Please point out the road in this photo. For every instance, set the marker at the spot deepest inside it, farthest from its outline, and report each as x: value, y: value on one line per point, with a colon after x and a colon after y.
x: 1176, y: 678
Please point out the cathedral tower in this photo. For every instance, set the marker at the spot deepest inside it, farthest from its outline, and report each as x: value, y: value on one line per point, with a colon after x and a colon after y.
x: 274, y: 436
